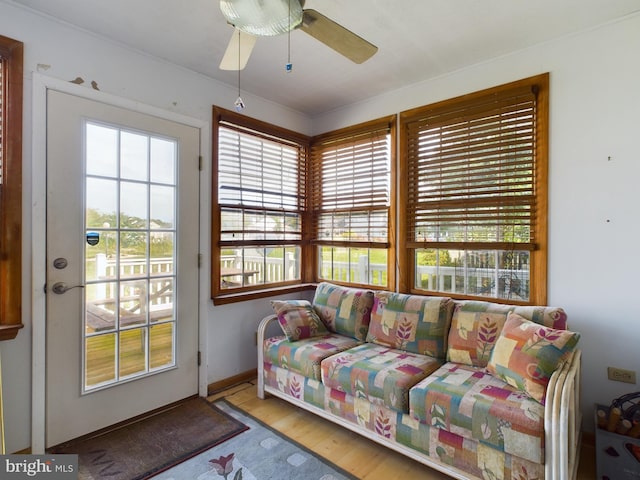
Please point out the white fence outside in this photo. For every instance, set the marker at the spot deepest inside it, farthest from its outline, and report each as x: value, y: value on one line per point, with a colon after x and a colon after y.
x: 158, y: 296
x: 490, y: 282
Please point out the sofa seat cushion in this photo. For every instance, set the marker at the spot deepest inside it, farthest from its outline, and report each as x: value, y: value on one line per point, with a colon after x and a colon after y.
x: 379, y: 374
x: 304, y: 356
x: 473, y: 404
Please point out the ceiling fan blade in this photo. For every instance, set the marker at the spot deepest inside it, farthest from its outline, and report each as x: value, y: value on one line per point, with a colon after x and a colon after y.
x: 238, y: 51
x: 335, y: 36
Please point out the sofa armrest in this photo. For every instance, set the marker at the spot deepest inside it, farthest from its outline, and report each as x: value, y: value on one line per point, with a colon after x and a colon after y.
x: 262, y: 330
x: 563, y: 420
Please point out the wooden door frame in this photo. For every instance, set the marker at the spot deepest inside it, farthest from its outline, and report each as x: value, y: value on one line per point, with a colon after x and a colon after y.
x: 41, y: 84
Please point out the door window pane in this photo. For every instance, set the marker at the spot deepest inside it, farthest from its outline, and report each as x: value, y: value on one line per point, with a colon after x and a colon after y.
x: 101, y: 202
x: 133, y: 352
x: 133, y: 205
x: 133, y: 254
x: 133, y: 303
x: 161, y: 252
x: 161, y: 300
x: 161, y: 354
x: 162, y: 208
x: 101, y: 150
x: 163, y: 166
x: 100, y: 360
x: 134, y: 150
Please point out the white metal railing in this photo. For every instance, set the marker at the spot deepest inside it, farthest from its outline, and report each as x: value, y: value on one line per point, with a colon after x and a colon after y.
x: 361, y: 272
x: 106, y: 268
x: 265, y: 269
x: 134, y: 293
x: 491, y: 282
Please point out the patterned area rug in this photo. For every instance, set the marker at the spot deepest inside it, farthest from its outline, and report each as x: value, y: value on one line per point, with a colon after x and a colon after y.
x: 143, y: 448
x: 259, y: 453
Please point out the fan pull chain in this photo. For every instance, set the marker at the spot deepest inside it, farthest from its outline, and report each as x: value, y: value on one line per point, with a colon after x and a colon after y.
x: 239, y: 103
x: 289, y: 65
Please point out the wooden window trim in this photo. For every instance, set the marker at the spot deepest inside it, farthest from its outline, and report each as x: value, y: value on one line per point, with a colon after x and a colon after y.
x: 538, y: 265
x: 11, y: 54
x: 402, y: 261
x: 230, y: 119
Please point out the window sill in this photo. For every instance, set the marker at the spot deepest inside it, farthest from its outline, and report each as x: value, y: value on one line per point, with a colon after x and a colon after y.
x: 246, y: 296
x: 473, y: 298
x: 9, y: 332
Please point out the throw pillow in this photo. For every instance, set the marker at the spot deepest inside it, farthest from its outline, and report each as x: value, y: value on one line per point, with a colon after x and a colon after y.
x: 476, y: 325
x: 413, y: 323
x: 344, y: 310
x: 526, y: 354
x: 298, y: 319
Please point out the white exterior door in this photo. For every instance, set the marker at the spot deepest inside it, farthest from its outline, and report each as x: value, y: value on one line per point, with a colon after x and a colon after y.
x: 122, y: 264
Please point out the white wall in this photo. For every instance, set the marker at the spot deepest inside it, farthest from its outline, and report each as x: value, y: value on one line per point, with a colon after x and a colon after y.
x: 593, y: 228
x: 594, y: 223
x: 234, y: 351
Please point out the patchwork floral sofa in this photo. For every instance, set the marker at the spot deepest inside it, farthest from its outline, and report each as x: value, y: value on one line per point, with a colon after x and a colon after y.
x: 473, y: 389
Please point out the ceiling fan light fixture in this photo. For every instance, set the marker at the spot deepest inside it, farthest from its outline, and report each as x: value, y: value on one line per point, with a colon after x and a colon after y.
x: 263, y: 17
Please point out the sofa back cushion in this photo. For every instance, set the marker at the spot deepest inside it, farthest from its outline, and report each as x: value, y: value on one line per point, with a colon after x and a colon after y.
x: 413, y: 323
x: 475, y: 328
x: 343, y: 310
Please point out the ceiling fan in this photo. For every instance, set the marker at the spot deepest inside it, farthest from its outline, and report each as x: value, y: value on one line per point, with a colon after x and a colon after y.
x: 260, y: 18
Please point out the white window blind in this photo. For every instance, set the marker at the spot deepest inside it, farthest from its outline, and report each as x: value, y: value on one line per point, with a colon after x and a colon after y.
x: 351, y: 187
x: 351, y: 202
x: 471, y: 171
x: 260, y: 188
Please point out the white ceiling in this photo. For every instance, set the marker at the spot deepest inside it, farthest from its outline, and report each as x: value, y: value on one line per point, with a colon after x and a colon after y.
x: 417, y: 40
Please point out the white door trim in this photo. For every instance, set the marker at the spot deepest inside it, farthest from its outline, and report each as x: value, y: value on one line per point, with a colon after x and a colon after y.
x: 42, y: 83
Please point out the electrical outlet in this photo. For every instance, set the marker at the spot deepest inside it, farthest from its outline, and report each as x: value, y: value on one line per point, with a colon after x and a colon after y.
x: 621, y: 375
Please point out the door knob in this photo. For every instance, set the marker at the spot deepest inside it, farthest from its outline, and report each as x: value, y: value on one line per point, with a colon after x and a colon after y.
x: 61, y: 287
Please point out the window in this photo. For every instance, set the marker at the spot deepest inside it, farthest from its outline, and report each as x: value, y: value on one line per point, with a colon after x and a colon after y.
x: 259, y: 204
x: 351, y: 192
x: 130, y: 324
x: 11, y: 52
x: 473, y: 200
x: 475, y: 168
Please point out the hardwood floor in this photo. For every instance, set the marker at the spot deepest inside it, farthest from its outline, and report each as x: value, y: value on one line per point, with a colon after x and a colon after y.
x: 361, y: 457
